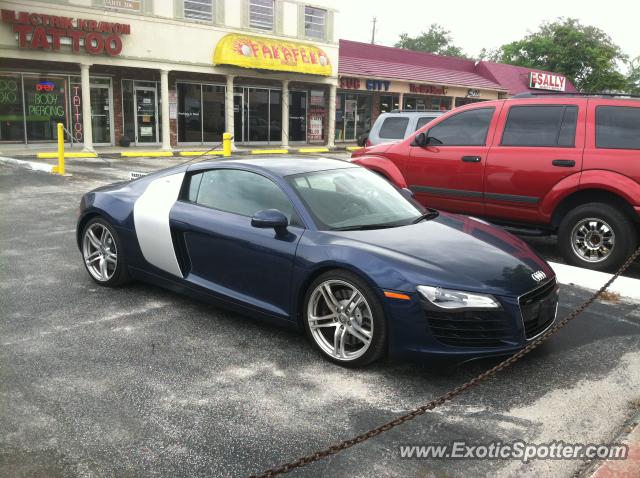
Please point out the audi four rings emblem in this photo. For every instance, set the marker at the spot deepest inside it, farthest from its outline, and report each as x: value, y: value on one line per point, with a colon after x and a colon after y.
x: 538, y: 276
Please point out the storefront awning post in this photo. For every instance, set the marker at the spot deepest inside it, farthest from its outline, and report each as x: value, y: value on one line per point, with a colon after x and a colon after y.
x: 285, y: 113
x: 228, y: 107
x: 87, y: 129
x: 331, y: 129
x: 164, y: 98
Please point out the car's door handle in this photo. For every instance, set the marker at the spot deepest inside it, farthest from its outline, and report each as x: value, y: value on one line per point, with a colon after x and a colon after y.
x: 564, y: 163
x: 471, y: 159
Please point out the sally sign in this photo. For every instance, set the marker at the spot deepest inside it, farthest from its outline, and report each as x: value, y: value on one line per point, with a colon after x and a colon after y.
x: 260, y: 53
x: 546, y: 81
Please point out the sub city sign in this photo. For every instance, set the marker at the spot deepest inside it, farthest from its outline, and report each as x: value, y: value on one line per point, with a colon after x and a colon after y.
x: 39, y: 31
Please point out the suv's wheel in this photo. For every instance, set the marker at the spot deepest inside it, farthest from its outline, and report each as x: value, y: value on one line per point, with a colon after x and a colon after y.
x: 102, y: 253
x: 597, y: 236
x: 344, y: 319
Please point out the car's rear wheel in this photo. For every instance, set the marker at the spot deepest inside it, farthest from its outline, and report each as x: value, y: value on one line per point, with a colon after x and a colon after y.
x: 102, y: 253
x: 597, y: 236
x: 344, y: 319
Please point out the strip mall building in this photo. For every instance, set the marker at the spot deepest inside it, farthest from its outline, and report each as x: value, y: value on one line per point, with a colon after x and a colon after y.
x: 178, y: 73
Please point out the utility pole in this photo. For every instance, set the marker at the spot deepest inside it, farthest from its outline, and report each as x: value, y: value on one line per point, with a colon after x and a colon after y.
x: 373, y: 31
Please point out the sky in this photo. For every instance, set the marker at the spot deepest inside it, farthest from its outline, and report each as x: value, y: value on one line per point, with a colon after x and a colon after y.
x: 487, y: 23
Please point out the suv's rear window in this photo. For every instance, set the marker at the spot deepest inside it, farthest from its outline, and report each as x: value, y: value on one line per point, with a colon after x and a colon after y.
x: 618, y: 127
x: 423, y: 120
x: 394, y: 127
x: 543, y: 125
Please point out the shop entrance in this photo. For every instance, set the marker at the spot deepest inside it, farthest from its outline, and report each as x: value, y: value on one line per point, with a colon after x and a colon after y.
x: 298, y: 116
x: 353, y: 116
x: 101, y: 114
x: 146, y: 117
x: 257, y: 115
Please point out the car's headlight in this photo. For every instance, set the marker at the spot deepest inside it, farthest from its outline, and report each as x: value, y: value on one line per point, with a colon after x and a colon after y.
x: 456, y: 299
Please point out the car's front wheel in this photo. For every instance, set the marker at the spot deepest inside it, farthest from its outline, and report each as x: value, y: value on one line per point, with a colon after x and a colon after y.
x: 597, y: 236
x: 344, y: 319
x: 103, y: 254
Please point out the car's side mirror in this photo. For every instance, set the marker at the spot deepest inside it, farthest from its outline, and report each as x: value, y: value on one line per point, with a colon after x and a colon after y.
x: 419, y: 140
x: 422, y: 139
x: 407, y: 193
x: 270, y: 218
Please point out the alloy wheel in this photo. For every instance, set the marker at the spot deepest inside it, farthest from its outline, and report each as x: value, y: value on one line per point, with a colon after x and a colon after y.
x: 99, y: 252
x: 592, y: 240
x: 340, y: 320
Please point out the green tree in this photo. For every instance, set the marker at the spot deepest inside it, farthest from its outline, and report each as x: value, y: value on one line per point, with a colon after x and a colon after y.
x: 583, y: 53
x: 435, y: 40
x: 633, y: 79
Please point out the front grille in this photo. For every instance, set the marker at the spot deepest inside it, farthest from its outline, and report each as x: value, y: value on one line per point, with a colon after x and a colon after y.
x: 469, y: 328
x: 538, y: 308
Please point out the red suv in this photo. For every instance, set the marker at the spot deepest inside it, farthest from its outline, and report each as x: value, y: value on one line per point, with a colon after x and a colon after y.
x: 560, y: 164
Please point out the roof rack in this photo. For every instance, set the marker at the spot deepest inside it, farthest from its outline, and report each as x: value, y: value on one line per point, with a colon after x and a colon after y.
x: 415, y: 111
x: 531, y: 94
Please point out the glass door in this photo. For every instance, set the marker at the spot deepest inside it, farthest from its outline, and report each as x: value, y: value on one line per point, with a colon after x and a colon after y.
x: 298, y: 116
x: 101, y: 114
x: 146, y: 118
x: 238, y: 117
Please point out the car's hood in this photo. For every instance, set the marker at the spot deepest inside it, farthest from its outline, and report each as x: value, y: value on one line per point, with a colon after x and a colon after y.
x: 459, y: 252
x: 376, y: 149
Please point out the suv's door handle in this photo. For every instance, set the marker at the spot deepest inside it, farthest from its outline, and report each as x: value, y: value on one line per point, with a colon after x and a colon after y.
x: 564, y: 163
x: 471, y: 159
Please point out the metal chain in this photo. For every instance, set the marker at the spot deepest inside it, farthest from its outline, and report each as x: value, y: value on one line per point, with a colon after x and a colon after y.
x: 333, y: 449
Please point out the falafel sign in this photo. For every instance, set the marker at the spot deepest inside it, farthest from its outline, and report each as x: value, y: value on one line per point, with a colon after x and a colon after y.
x: 49, y: 32
x: 261, y: 53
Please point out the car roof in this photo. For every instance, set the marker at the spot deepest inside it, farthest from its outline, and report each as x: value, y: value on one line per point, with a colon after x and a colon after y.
x: 413, y: 113
x: 279, y: 165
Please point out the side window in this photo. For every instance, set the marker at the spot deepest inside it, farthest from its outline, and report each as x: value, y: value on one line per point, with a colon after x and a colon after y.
x: 394, y: 127
x: 618, y: 127
x: 467, y: 128
x: 423, y: 120
x: 239, y: 192
x: 552, y: 125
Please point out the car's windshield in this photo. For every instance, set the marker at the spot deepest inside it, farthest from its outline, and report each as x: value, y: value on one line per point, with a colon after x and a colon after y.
x: 353, y: 198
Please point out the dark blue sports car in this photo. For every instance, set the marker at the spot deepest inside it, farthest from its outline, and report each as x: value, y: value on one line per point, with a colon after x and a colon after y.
x: 325, y: 246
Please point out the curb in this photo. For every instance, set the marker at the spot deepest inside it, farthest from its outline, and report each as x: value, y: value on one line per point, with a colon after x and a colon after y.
x: 176, y: 154
x: 628, y: 468
x: 44, y: 167
x: 627, y: 287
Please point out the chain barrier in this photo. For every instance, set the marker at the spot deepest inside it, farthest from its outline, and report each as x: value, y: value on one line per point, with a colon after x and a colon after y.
x: 451, y: 394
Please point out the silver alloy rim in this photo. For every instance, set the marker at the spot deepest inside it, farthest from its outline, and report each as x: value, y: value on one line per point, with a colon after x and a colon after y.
x: 340, y: 320
x: 99, y: 252
x: 592, y: 240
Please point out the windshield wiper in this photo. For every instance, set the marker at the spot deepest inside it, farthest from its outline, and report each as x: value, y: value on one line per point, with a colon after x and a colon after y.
x: 430, y: 214
x: 365, y: 227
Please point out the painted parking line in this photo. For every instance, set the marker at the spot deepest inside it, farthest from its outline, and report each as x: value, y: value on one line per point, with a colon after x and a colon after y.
x: 198, y: 153
x: 146, y: 154
x: 312, y: 150
x: 353, y: 148
x: 269, y: 151
x: 625, y: 286
x: 33, y: 165
x: 67, y: 154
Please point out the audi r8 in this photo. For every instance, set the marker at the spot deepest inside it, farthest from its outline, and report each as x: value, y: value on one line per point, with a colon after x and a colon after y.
x: 324, y: 246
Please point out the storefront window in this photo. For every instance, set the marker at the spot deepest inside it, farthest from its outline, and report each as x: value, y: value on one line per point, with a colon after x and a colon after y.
x: 213, y: 120
x: 389, y: 103
x: 45, y: 105
x: 353, y: 115
x: 11, y: 112
x: 258, y: 114
x: 275, y: 118
x: 427, y: 103
x: 128, y: 110
x: 189, y: 112
x: 298, y: 116
x: 466, y: 101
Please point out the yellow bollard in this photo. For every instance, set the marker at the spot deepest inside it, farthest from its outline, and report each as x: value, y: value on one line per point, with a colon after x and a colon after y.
x: 226, y: 144
x: 60, y: 168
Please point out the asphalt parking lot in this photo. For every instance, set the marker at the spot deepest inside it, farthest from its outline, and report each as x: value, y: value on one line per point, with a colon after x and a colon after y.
x: 141, y: 382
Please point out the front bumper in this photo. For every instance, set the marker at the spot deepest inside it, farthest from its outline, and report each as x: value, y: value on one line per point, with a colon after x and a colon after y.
x: 419, y: 331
